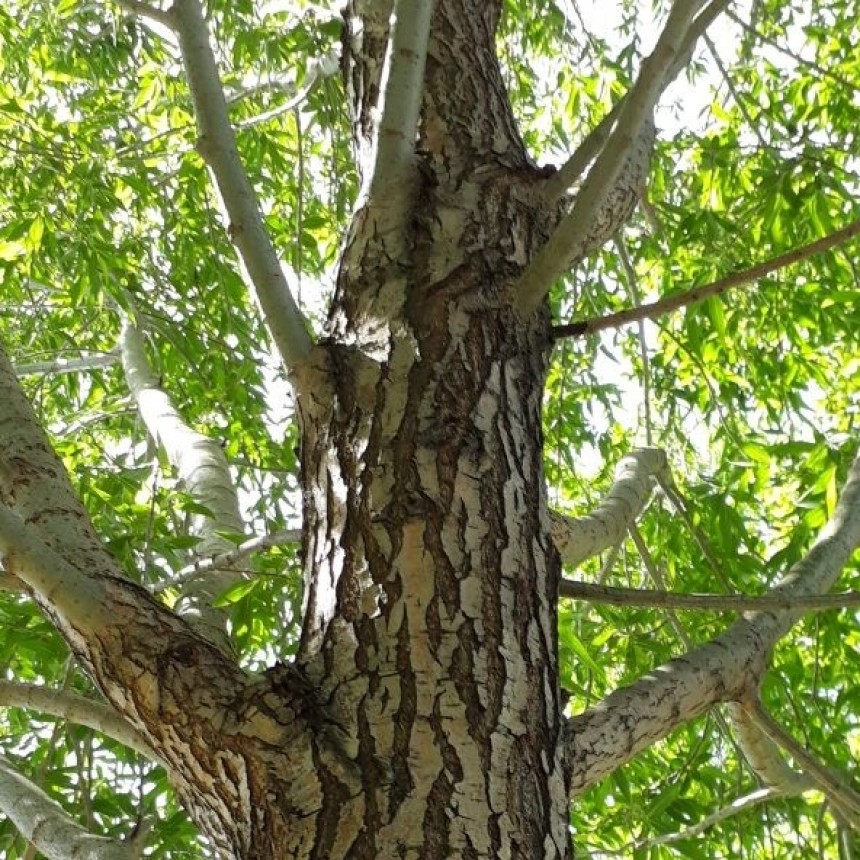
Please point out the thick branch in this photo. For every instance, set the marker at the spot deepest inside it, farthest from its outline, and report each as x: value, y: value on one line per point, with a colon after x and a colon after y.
x: 34, y: 482
x: 392, y: 178
x: 9, y: 582
x: 580, y: 538
x: 726, y: 669
x: 202, y: 466
x: 745, y: 277
x: 217, y: 146
x: 57, y: 584
x: 77, y: 709
x: 594, y: 141
x: 571, y: 238
x: 119, y: 632
x: 48, y: 827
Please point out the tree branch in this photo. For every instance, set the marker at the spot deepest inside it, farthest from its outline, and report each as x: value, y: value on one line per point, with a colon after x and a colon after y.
x: 659, y: 599
x: 47, y: 826
x: 725, y: 669
x: 77, y: 709
x: 318, y: 69
x: 55, y: 581
x: 202, y: 466
x: 391, y: 180
x: 736, y: 807
x: 763, y: 755
x: 119, y: 632
x: 227, y: 559
x: 580, y: 538
x: 841, y: 795
x: 570, y: 172
x: 819, y: 70
x: 658, y: 308
x: 35, y: 483
x: 67, y: 365
x: 146, y: 10
x: 588, y: 150
x: 632, y: 284
x: 11, y: 583
x: 217, y: 146
x: 626, y: 150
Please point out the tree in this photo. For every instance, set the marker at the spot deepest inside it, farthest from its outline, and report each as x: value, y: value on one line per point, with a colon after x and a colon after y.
x: 424, y: 679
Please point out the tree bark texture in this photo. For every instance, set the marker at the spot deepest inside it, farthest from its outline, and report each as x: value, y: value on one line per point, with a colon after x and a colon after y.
x: 430, y: 627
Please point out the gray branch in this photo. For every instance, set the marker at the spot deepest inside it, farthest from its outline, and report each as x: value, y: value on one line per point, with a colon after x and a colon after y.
x: 725, y: 669
x: 391, y: 180
x: 77, y: 709
x: 49, y: 828
x: 217, y: 146
x: 67, y: 365
x: 661, y: 599
x: 202, y: 467
x: 624, y: 157
x: 580, y: 538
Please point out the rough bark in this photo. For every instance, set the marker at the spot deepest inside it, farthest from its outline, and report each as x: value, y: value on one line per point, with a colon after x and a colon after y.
x: 431, y: 582
x: 430, y: 625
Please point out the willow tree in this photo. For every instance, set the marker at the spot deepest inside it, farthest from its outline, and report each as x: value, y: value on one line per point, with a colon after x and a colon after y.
x: 407, y: 694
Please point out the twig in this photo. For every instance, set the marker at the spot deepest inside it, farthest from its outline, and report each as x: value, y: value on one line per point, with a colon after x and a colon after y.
x: 217, y: 146
x: 733, y: 91
x: 228, y: 559
x: 632, y: 284
x: 318, y: 71
x: 821, y: 71
x: 741, y: 804
x: 656, y: 577
x: 666, y: 305
x: 650, y: 598
x: 682, y: 508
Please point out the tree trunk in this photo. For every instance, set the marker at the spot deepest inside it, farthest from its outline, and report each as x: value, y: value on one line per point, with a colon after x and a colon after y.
x: 430, y: 627
x: 422, y: 717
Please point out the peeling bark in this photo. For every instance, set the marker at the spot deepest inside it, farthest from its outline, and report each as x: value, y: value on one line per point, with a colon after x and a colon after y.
x: 430, y: 618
